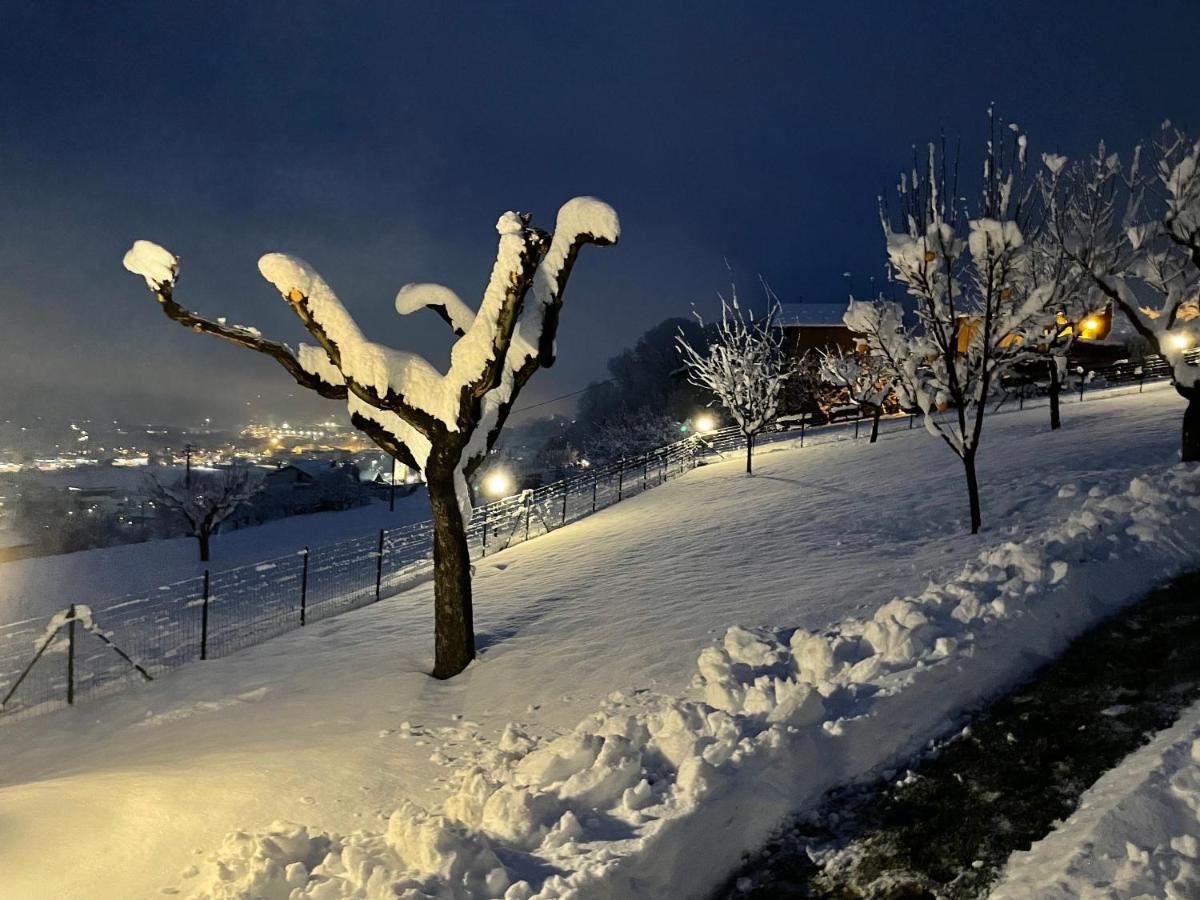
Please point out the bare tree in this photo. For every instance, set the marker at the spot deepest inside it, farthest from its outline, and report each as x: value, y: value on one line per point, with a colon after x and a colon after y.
x: 1134, y: 232
x: 977, y: 305
x: 866, y: 379
x: 441, y: 423
x: 204, y: 499
x: 744, y: 366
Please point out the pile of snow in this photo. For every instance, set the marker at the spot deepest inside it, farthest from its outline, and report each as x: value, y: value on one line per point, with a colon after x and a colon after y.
x: 1136, y: 832
x: 658, y: 796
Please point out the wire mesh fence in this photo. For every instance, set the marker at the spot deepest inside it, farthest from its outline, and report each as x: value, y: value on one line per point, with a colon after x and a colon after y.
x: 43, y: 668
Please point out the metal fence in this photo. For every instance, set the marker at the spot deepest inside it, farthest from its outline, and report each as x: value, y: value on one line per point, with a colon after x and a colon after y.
x: 46, y: 664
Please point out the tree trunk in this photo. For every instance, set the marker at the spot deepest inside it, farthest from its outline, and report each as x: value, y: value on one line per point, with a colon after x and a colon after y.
x: 454, y: 627
x: 875, y: 424
x: 203, y: 537
x: 1055, y: 415
x: 972, y: 491
x: 1191, y: 424
x: 749, y: 454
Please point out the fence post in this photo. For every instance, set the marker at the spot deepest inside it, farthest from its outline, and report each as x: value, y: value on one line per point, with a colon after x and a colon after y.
x: 485, y: 526
x: 911, y: 418
x: 71, y: 656
x: 566, y: 493
x: 304, y: 591
x: 1082, y: 384
x: 595, y: 482
x: 379, y: 567
x: 645, y: 472
x: 621, y: 481
x: 856, y: 421
x: 528, y: 509
x: 1141, y: 379
x: 204, y: 620
x: 662, y: 474
x: 1021, y: 401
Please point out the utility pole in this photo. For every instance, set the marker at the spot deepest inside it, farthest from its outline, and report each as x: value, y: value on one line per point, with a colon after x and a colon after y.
x: 392, y: 497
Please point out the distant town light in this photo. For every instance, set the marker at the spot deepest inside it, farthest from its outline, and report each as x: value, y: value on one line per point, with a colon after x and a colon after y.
x: 1180, y: 341
x: 498, y: 483
x: 705, y: 422
x: 1091, y: 323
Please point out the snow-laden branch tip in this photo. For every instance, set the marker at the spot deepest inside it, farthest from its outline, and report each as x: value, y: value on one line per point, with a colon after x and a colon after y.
x: 156, y: 264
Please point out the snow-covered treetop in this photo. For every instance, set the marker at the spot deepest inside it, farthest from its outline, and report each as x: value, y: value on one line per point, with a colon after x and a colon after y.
x: 1134, y: 232
x: 404, y: 402
x: 981, y: 301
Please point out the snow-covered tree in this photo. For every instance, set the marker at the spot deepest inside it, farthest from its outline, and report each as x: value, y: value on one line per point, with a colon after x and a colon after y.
x: 977, y: 305
x: 1134, y: 231
x: 744, y: 366
x: 866, y: 380
x: 440, y: 423
x: 204, y: 499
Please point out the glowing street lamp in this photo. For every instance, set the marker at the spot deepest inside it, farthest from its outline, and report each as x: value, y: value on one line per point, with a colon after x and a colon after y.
x: 705, y: 423
x: 498, y: 483
x: 1179, y: 341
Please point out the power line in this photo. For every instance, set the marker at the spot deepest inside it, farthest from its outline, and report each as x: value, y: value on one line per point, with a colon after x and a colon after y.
x: 548, y: 402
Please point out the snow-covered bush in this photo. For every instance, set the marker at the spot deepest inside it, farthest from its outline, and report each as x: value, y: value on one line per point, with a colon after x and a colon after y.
x: 1134, y: 232
x: 441, y: 423
x: 744, y: 366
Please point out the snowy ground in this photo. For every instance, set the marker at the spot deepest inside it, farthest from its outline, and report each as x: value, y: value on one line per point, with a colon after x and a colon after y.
x: 311, y: 726
x: 44, y: 585
x: 1136, y: 832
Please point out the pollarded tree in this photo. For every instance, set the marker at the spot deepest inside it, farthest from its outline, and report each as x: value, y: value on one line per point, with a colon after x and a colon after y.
x: 977, y: 306
x: 744, y: 366
x: 866, y: 379
x: 440, y: 423
x: 1135, y: 233
x: 205, y: 499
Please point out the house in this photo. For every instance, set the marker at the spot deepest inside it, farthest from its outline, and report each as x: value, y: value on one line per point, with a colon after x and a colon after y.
x: 813, y: 326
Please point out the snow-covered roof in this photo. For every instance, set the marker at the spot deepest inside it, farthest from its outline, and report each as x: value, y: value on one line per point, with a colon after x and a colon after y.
x: 811, y: 314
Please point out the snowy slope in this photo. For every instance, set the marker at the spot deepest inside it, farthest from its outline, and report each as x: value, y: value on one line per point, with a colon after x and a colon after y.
x: 1136, y: 832
x: 46, y: 584
x: 310, y: 726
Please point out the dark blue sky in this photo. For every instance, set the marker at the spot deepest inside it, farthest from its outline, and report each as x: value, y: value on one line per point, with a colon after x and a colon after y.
x: 380, y: 141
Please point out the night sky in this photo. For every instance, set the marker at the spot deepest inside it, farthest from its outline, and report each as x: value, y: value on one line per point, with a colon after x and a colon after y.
x: 380, y: 141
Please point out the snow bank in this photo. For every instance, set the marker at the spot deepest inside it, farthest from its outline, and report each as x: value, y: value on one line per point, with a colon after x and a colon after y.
x: 1136, y: 832
x: 657, y: 796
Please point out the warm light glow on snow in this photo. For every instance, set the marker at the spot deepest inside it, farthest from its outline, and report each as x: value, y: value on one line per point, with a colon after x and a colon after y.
x: 498, y: 484
x: 1179, y: 341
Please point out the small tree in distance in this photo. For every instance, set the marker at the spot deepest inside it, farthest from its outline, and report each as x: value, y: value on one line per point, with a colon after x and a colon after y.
x: 745, y: 367
x: 440, y: 423
x: 865, y: 378
x: 205, y: 499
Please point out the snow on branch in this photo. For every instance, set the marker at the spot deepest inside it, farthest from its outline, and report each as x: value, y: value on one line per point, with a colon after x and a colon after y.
x: 405, y: 403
